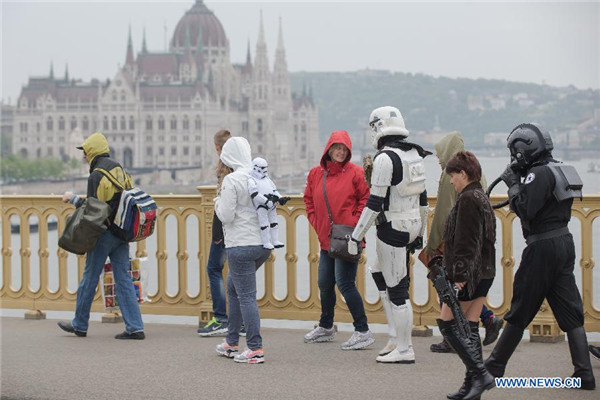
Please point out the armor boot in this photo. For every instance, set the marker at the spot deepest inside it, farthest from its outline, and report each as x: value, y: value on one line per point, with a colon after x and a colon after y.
x: 470, y: 354
x: 265, y: 236
x: 387, y: 307
x: 508, y: 342
x: 581, y: 358
x: 466, y: 386
x: 403, y: 353
x: 275, y: 236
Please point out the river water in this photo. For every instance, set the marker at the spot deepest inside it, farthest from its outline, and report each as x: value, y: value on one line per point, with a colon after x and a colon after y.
x: 492, y: 168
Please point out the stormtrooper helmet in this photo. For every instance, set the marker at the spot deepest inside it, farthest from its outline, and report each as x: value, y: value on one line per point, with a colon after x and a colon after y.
x: 259, y: 166
x: 386, y: 121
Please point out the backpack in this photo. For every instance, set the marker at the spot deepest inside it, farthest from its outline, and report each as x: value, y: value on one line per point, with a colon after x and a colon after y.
x: 136, y: 216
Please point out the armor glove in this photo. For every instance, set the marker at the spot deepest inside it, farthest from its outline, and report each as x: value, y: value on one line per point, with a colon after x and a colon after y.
x: 415, y: 244
x: 283, y: 200
x: 510, y: 177
x: 434, y: 266
x: 352, y: 245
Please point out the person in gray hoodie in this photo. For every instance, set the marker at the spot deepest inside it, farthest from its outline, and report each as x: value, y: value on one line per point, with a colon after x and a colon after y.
x: 245, y: 253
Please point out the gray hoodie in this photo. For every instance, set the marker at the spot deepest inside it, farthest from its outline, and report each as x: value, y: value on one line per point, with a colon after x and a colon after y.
x: 233, y: 204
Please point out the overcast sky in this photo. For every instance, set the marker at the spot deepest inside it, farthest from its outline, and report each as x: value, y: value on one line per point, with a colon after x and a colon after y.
x: 555, y: 43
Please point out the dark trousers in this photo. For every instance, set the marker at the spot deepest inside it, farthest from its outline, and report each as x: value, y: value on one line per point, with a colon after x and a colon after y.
x: 546, y: 271
x: 343, y: 274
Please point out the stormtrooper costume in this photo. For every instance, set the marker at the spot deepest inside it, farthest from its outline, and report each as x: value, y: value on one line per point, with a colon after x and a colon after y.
x: 398, y: 206
x: 265, y: 197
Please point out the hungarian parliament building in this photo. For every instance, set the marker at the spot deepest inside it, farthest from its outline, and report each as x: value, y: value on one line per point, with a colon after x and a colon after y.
x: 162, y: 109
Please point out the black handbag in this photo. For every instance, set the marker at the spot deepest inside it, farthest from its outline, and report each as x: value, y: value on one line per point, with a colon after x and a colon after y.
x: 85, y: 226
x: 338, y: 244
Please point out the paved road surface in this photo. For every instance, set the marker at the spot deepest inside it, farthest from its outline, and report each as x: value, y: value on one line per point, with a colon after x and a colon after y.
x: 39, y: 361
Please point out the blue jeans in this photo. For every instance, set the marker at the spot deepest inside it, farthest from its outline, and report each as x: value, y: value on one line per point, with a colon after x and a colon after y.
x: 108, y: 245
x: 343, y: 274
x: 214, y: 268
x: 241, y: 290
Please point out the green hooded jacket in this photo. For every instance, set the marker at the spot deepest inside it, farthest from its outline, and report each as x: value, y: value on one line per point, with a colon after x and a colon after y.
x: 445, y: 149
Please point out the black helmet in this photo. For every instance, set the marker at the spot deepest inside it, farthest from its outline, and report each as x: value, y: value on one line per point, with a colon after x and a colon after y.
x: 528, y: 143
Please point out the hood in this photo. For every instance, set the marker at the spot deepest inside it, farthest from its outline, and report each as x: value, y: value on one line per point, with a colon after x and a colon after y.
x: 448, y: 146
x: 236, y: 153
x: 337, y: 137
x: 95, y: 145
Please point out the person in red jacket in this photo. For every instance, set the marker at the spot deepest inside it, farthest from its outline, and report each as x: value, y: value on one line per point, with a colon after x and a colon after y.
x: 347, y: 193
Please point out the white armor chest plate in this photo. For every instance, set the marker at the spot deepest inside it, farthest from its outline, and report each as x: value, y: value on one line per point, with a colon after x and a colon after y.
x: 404, y: 197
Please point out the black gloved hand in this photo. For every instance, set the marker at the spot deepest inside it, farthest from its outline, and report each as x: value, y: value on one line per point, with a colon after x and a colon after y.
x: 283, y: 200
x: 415, y: 244
x: 434, y: 266
x: 510, y: 177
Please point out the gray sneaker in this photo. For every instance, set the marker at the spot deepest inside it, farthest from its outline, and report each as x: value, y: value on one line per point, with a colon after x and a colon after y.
x: 320, y: 334
x: 359, y: 340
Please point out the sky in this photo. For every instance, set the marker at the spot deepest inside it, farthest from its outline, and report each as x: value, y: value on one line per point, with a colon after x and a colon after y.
x: 555, y: 43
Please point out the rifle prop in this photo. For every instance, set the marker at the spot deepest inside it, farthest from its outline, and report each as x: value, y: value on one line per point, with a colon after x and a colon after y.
x: 448, y: 294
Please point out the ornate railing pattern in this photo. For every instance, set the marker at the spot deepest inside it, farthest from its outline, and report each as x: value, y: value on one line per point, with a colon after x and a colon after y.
x: 291, y: 307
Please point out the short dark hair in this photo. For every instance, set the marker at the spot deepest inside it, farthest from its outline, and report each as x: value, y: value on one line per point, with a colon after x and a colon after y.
x: 465, y: 161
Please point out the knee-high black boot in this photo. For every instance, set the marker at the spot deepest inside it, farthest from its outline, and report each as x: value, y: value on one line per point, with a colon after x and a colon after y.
x: 466, y: 386
x: 506, y: 345
x: 580, y: 357
x: 470, y: 356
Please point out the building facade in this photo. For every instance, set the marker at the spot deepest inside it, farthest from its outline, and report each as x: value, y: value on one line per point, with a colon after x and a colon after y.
x: 161, y: 109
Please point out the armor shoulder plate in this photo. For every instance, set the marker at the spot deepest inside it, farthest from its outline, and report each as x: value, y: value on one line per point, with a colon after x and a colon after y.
x: 568, y: 183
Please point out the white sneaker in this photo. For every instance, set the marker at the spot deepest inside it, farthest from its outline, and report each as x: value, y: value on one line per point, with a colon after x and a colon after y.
x: 358, y: 340
x: 389, y: 347
x: 398, y: 357
x: 320, y: 334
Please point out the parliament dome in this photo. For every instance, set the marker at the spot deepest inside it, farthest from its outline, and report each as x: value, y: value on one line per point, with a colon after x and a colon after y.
x: 196, y: 18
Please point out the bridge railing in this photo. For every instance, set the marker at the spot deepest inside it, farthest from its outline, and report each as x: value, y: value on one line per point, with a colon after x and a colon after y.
x: 39, y: 280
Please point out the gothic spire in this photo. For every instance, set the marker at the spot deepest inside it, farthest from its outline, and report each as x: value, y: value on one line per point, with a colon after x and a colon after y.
x: 51, y: 70
x: 280, y: 37
x: 67, y: 72
x: 248, y: 55
x: 144, y: 48
x: 129, y: 56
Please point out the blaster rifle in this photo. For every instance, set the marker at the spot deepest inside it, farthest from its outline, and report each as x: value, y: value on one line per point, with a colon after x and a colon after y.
x: 448, y: 294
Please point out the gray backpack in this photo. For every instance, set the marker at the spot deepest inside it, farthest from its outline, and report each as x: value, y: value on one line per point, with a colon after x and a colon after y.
x: 85, y: 226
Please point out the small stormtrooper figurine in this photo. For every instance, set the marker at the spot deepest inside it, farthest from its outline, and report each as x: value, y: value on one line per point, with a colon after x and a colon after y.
x: 265, y: 197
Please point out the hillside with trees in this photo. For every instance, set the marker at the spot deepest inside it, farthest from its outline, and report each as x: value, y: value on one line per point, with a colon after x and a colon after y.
x: 474, y: 107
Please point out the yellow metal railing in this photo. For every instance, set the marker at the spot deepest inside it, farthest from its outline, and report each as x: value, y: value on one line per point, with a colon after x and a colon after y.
x: 289, y: 307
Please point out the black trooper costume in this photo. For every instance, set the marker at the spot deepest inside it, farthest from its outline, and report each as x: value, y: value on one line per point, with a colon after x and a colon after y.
x: 543, y: 202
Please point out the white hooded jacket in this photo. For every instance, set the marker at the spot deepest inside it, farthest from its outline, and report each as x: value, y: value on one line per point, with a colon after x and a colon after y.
x: 233, y: 205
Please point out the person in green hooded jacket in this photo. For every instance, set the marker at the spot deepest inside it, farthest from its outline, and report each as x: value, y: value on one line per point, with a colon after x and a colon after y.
x: 96, y: 153
x: 445, y: 149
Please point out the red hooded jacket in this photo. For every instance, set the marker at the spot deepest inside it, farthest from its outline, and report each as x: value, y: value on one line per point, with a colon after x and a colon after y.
x: 347, y: 191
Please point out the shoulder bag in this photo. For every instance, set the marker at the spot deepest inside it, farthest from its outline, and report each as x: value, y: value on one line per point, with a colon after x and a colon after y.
x: 338, y: 245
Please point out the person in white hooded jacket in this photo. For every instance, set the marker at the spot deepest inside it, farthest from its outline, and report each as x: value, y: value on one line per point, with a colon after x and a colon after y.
x: 245, y: 252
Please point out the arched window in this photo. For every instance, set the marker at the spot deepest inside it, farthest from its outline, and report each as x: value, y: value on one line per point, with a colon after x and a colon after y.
x: 114, y: 95
x: 85, y: 124
x: 259, y: 124
x: 123, y: 123
x: 131, y: 123
x: 73, y: 123
x: 173, y: 123
x: 186, y: 123
x: 113, y: 123
x: 161, y: 123
x: 148, y: 123
x: 105, y: 123
x: 303, y: 127
x: 123, y: 96
x: 61, y: 124
x: 198, y: 123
